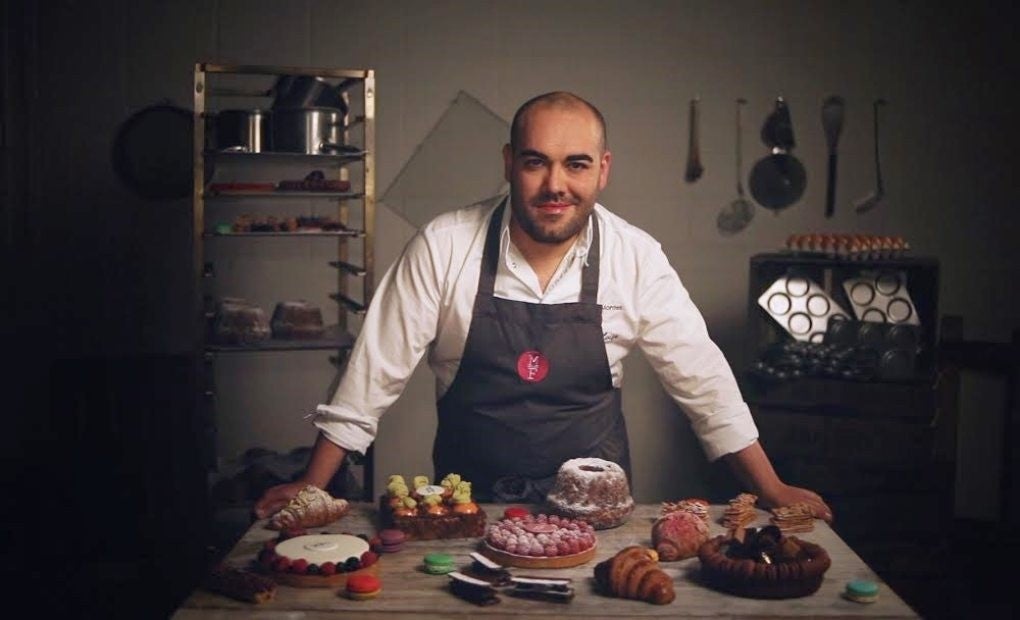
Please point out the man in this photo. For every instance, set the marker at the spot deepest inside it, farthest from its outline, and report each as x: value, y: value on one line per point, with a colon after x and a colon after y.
x: 527, y: 312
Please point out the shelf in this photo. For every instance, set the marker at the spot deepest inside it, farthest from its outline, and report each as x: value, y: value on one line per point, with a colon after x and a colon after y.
x: 354, y: 306
x: 334, y: 338
x: 348, y: 267
x: 309, y: 233
x: 281, y: 157
x: 282, y: 194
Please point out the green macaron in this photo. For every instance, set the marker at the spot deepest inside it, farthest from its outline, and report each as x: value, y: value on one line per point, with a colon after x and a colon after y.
x: 439, y: 563
x: 861, y: 591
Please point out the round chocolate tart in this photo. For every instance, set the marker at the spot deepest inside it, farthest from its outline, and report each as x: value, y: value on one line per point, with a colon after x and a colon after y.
x: 774, y: 567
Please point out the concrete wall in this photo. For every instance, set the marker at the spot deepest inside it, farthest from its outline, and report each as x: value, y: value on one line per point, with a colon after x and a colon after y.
x: 113, y: 270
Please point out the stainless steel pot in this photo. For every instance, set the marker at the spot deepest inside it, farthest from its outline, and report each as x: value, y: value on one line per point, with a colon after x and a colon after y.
x: 312, y: 131
x: 246, y: 131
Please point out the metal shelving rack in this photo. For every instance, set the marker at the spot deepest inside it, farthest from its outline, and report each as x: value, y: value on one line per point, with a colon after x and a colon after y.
x: 354, y: 270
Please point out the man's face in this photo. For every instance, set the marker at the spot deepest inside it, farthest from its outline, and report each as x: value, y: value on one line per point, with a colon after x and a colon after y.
x: 556, y: 171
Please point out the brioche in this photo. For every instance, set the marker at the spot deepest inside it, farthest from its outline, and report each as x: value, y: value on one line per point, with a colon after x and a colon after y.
x: 311, y: 507
x: 634, y: 573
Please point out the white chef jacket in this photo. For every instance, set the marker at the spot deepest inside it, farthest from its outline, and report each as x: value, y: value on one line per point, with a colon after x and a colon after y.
x: 424, y: 302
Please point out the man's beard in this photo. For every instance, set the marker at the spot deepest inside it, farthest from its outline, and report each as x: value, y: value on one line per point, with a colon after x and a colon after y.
x: 554, y: 232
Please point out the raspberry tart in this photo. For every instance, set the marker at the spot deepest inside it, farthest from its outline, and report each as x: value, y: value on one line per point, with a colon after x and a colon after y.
x: 540, y: 541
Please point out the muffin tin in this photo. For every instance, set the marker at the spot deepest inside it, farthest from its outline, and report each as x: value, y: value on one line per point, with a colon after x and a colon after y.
x: 801, y: 307
x: 881, y: 297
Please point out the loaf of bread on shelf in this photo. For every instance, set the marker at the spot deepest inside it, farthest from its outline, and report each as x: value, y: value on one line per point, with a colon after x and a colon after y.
x: 634, y: 573
x: 311, y: 507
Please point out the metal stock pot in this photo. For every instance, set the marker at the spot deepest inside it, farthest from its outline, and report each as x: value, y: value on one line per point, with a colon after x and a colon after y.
x: 246, y: 131
x: 312, y: 131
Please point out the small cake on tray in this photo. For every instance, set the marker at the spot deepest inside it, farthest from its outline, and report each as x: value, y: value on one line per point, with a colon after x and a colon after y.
x: 426, y: 511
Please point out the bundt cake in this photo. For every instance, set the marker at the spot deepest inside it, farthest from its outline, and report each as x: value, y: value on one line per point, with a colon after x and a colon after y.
x: 594, y: 490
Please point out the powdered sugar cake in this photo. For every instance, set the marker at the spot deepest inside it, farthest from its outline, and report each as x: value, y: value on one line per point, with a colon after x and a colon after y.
x: 594, y: 490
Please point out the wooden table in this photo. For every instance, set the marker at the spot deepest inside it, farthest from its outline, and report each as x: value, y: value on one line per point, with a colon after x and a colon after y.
x: 409, y: 592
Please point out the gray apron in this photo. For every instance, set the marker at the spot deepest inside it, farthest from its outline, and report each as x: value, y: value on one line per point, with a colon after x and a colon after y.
x: 533, y: 389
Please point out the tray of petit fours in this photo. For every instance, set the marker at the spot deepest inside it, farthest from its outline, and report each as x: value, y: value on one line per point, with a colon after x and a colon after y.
x: 426, y: 511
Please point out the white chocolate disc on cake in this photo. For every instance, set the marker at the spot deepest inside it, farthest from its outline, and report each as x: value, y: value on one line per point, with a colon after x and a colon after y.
x: 429, y: 489
x: 320, y: 548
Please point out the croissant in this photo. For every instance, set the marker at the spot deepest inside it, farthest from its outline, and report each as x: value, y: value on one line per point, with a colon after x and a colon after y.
x: 634, y: 573
x: 311, y: 507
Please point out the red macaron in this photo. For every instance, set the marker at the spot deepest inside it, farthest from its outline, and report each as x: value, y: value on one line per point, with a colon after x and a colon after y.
x: 363, y: 587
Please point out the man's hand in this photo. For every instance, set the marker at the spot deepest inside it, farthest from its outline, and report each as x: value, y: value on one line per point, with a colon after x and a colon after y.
x: 752, y: 467
x: 786, y: 495
x: 275, y: 498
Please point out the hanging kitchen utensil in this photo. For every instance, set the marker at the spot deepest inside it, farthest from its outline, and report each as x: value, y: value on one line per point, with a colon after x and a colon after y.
x: 152, y: 152
x: 694, y: 168
x: 778, y: 179
x: 832, y: 123
x: 873, y: 200
x: 735, y: 216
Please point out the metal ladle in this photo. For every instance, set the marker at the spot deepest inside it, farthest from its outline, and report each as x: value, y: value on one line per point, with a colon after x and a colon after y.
x: 832, y: 123
x: 694, y: 169
x: 874, y: 199
x: 735, y: 216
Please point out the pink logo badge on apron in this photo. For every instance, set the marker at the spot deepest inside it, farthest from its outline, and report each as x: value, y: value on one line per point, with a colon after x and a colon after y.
x: 532, y: 366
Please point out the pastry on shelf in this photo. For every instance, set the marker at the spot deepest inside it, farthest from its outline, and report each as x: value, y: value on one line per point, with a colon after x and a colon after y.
x: 296, y: 320
x: 311, y: 507
x: 426, y: 511
x: 238, y: 322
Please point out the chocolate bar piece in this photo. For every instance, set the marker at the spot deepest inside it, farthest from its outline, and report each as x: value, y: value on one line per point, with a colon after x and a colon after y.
x: 489, y: 571
x: 472, y: 590
x: 558, y: 590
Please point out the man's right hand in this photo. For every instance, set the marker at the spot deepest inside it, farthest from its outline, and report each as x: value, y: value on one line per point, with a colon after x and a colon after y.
x: 275, y: 498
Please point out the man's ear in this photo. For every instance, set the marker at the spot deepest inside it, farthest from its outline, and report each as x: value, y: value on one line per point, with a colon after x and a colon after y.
x: 508, y: 161
x: 604, y: 165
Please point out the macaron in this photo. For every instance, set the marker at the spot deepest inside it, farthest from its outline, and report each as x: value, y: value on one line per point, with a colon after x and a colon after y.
x: 439, y: 563
x: 861, y: 591
x: 363, y: 587
x: 392, y: 540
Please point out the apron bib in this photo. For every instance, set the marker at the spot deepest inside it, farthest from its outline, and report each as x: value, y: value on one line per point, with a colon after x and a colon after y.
x: 533, y: 389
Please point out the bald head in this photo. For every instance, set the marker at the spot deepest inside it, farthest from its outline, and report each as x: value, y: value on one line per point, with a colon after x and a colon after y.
x: 557, y: 99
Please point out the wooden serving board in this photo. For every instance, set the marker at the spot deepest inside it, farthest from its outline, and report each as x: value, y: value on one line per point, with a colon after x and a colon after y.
x: 527, y: 561
x: 337, y: 580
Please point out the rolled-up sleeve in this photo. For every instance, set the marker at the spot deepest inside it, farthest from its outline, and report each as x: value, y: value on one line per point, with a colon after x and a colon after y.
x: 398, y: 327
x: 691, y: 367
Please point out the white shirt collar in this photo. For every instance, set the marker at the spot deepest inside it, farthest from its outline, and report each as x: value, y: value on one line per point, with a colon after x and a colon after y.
x: 581, y: 245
